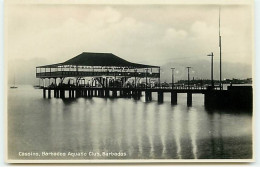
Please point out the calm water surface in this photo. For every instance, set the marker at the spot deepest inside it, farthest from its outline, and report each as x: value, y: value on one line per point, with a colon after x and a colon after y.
x: 141, y: 130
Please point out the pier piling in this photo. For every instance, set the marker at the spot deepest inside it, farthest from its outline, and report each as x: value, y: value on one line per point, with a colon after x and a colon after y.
x: 44, y: 93
x: 173, y: 97
x: 69, y: 93
x: 54, y: 94
x: 107, y: 93
x: 189, y: 99
x: 62, y: 93
x: 160, y: 97
x: 49, y: 93
x: 148, y: 96
x: 72, y: 93
x: 114, y: 93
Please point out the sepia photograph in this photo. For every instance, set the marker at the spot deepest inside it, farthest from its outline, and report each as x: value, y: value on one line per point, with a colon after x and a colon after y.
x: 129, y: 82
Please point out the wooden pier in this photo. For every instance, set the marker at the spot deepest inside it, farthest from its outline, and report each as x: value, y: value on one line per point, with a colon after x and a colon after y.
x: 238, y: 97
x: 136, y: 93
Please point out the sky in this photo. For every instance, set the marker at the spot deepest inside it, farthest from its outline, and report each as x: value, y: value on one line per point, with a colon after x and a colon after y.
x: 149, y: 34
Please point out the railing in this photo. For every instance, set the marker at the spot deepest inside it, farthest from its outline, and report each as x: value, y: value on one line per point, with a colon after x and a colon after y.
x: 88, y: 73
x: 111, y: 86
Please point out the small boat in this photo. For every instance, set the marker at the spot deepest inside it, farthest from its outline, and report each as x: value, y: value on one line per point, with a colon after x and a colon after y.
x: 37, y: 87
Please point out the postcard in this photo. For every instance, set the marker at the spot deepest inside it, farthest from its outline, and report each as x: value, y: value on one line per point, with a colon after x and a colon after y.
x: 143, y: 81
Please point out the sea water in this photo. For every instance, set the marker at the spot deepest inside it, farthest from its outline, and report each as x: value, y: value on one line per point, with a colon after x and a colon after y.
x: 122, y: 128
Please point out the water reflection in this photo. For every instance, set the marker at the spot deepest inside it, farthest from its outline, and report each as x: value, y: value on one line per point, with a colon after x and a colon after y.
x: 177, y: 127
x: 193, y: 130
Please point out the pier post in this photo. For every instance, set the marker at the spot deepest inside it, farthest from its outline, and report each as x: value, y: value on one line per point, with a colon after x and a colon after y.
x: 134, y: 94
x: 106, y: 93
x: 44, y: 93
x: 121, y: 93
x: 124, y: 94
x: 189, y: 99
x: 70, y: 93
x: 114, y: 93
x: 90, y: 93
x: 85, y: 93
x: 160, y: 96
x: 54, y: 93
x: 77, y: 93
x: 128, y: 94
x: 148, y: 96
x: 81, y: 92
x: 62, y: 93
x: 49, y: 93
x: 174, y: 97
x: 101, y: 92
x: 57, y: 93
x: 139, y: 94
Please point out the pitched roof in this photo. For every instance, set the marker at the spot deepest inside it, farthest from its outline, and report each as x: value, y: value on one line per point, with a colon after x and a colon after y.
x: 100, y: 59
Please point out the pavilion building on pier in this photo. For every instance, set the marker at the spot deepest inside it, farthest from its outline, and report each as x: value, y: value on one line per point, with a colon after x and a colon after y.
x: 99, y: 70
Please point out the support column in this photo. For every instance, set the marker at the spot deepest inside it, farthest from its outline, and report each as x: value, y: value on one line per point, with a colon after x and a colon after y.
x: 81, y: 93
x: 189, y: 99
x: 174, y: 97
x: 129, y: 94
x: 54, y: 93
x: 121, y: 93
x: 85, y: 93
x: 57, y: 93
x: 148, y: 96
x: 90, y: 93
x: 72, y: 93
x: 69, y: 93
x: 115, y: 93
x: 124, y: 94
x: 160, y: 97
x: 134, y: 94
x: 62, y: 93
x: 44, y: 93
x: 49, y: 93
x: 139, y: 94
x: 77, y: 93
x: 106, y: 93
x: 101, y: 93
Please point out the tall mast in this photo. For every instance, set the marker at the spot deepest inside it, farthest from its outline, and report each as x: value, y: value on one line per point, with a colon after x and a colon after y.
x: 220, y: 68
